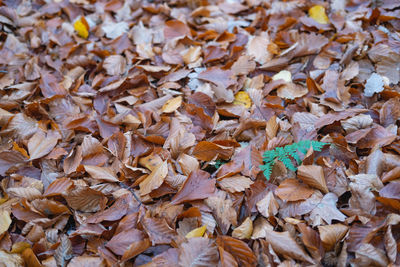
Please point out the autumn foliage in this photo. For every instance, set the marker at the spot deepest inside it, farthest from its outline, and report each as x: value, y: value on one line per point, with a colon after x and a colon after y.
x: 132, y: 133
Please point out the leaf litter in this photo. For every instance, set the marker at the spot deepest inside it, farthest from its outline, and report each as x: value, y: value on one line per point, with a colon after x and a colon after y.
x: 132, y: 133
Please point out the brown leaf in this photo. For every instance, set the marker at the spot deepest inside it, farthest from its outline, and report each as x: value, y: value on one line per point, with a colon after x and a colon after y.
x: 113, y: 213
x: 103, y: 173
x: 10, y: 159
x: 198, y: 251
x: 176, y: 29
x: 121, y: 242
x: 327, y: 210
x: 158, y: 230
x: 85, y: 199
x: 368, y: 255
x: 223, y: 211
x: 390, y: 245
x: 197, y: 186
x: 238, y: 249
x: 221, y: 78
x: 332, y: 234
x: 58, y: 187
x: 292, y: 190
x: 63, y: 252
x: 5, y: 221
x: 235, y: 183
x: 244, y: 230
x: 87, y: 261
x: 227, y: 260
x: 40, y: 144
x: 114, y: 65
x: 284, y: 244
x: 268, y: 206
x: 313, y: 175
x: 155, y: 179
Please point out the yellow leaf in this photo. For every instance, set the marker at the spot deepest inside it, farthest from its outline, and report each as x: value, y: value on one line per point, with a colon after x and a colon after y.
x: 172, y: 104
x: 198, y: 232
x: 19, y: 247
x: 81, y: 28
x: 318, y: 14
x: 5, y: 221
x: 242, y: 98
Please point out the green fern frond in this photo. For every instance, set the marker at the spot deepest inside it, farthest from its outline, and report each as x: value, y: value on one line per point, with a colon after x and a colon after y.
x: 284, y: 154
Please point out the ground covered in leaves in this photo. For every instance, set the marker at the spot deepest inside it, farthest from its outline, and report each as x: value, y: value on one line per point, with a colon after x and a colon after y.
x: 132, y: 133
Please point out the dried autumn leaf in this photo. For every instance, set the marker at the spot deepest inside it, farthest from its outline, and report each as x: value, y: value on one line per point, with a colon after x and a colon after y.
x: 318, y: 14
x: 242, y: 98
x: 57, y: 187
x: 158, y: 230
x: 390, y: 244
x: 63, y: 252
x: 198, y: 232
x: 197, y: 186
x: 10, y: 259
x: 172, y: 104
x: 198, y: 251
x: 207, y: 151
x: 85, y: 199
x: 368, y: 255
x: 292, y: 190
x: 327, y: 210
x: 223, y: 211
x: 5, y: 221
x: 313, y: 175
x: 10, y: 159
x: 244, y: 230
x: 235, y: 184
x: 87, y: 261
x: 81, y: 27
x: 114, y: 65
x: 332, y: 234
x: 121, y: 242
x: 40, y: 144
x: 283, y: 243
x: 155, y: 179
x: 238, y: 249
x: 373, y: 85
x: 103, y: 173
x: 268, y: 206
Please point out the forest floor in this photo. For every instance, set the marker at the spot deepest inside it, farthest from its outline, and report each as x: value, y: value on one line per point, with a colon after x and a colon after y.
x: 199, y: 133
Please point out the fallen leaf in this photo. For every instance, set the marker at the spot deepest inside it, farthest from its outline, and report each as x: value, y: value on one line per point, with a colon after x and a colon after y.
x: 81, y: 27
x: 292, y: 190
x: 198, y: 232
x: 238, y: 249
x: 114, y: 65
x: 155, y: 179
x: 5, y: 221
x: 318, y: 14
x: 235, y: 183
x: 207, y: 151
x: 373, y: 85
x: 242, y: 98
x: 313, y: 175
x: 103, y: 173
x: 172, y: 104
x: 40, y: 144
x: 283, y: 243
x: 332, y: 234
x: 244, y: 231
x: 198, y: 251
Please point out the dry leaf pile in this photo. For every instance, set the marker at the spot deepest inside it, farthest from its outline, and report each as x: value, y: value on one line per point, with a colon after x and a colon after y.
x: 132, y: 132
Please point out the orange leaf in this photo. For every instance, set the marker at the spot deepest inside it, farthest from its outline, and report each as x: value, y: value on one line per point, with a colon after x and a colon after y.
x: 197, y: 186
x: 292, y: 190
